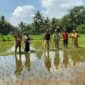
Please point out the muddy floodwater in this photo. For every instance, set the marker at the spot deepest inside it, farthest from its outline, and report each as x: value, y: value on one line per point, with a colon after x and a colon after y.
x: 43, y: 68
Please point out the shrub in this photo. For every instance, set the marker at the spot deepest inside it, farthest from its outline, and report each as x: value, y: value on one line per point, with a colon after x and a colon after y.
x: 81, y: 28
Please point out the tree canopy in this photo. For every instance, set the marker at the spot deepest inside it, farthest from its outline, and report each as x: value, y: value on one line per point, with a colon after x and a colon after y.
x: 75, y: 19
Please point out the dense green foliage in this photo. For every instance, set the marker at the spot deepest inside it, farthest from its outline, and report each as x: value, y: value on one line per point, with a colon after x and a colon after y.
x: 5, y: 27
x: 75, y: 19
x: 81, y: 28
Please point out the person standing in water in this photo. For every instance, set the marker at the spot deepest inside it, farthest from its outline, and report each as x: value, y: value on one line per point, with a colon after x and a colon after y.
x: 75, y: 38
x: 27, y: 43
x: 46, y: 39
x: 18, y: 39
x: 56, y: 39
x: 65, y: 38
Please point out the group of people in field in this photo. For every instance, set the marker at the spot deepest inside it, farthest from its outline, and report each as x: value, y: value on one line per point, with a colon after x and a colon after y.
x: 47, y: 37
x: 56, y: 38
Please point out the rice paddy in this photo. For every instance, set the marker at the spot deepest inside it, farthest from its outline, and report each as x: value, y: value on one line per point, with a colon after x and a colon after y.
x: 42, y: 67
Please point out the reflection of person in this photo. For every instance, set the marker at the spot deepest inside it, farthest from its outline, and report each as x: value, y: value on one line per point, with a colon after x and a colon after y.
x: 46, y: 38
x: 27, y: 42
x: 65, y: 38
x: 56, y: 39
x: 65, y: 58
x: 75, y: 38
x: 19, y: 66
x: 47, y: 61
x: 18, y: 39
x: 75, y: 56
x: 27, y: 62
x: 56, y: 59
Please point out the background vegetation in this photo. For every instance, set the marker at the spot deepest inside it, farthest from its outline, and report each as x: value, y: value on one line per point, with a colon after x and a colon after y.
x: 75, y: 19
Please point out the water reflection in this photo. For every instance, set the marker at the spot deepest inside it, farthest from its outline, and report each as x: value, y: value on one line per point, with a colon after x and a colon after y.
x: 27, y: 62
x: 65, y: 58
x: 50, y: 63
x: 19, y: 66
x: 39, y: 53
x: 56, y: 59
x: 75, y: 56
x: 47, y: 61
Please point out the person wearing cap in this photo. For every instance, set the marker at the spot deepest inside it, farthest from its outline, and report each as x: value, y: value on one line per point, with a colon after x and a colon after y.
x: 65, y: 38
x: 56, y: 39
x: 46, y: 39
x: 75, y: 38
x: 18, y: 39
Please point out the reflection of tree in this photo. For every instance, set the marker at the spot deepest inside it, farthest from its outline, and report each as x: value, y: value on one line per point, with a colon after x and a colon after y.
x: 65, y: 58
x: 47, y: 61
x: 56, y: 59
x: 27, y: 62
x: 19, y: 66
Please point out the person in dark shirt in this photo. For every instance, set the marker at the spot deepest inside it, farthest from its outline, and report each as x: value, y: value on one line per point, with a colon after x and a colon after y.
x: 27, y: 43
x: 46, y: 39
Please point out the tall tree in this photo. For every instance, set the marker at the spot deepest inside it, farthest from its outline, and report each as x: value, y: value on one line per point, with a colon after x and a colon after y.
x: 55, y: 25
x: 37, y: 22
x: 21, y: 26
x: 47, y: 23
x: 5, y: 27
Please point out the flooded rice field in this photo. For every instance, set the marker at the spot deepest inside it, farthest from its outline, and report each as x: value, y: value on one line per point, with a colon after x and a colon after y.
x: 43, y: 68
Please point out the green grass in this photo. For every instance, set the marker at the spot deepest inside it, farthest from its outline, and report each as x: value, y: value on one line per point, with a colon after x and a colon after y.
x: 4, y: 46
x: 36, y: 42
x: 6, y: 38
x: 36, y: 37
x: 81, y: 40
